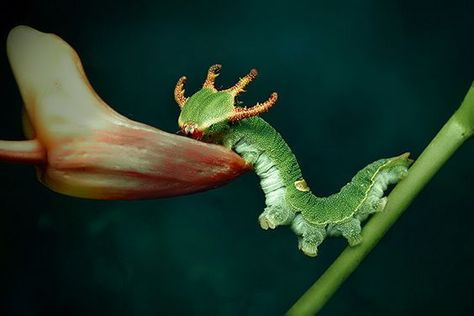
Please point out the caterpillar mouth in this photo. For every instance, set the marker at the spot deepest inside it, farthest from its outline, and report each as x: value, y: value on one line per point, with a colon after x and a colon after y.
x: 192, y: 131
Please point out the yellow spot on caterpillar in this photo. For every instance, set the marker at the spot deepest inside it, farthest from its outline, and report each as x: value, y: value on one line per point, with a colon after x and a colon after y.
x: 301, y: 186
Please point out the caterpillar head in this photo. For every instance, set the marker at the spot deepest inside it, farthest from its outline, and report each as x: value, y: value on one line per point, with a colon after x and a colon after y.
x: 210, y: 111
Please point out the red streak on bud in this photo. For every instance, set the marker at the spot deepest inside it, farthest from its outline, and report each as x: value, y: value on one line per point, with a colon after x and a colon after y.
x: 124, y: 162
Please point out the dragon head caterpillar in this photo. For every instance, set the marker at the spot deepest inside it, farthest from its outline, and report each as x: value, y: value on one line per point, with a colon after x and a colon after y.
x: 208, y: 111
x: 212, y: 116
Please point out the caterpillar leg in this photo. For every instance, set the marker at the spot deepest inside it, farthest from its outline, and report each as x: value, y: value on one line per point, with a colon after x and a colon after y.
x: 349, y: 229
x: 310, y: 236
x: 274, y: 216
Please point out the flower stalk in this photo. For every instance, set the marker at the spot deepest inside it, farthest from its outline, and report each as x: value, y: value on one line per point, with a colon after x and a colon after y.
x: 452, y: 135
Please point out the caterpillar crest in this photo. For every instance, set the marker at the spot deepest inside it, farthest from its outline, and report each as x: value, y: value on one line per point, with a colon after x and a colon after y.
x: 211, y: 115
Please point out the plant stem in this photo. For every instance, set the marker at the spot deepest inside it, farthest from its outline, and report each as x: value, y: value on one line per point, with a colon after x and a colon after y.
x: 451, y: 136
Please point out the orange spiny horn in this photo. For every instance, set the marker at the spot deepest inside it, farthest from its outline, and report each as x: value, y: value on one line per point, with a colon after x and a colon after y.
x: 179, y: 92
x: 243, y: 113
x: 242, y: 83
x: 212, y: 73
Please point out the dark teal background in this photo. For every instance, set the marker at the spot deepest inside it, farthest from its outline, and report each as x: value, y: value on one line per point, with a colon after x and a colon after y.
x: 358, y: 80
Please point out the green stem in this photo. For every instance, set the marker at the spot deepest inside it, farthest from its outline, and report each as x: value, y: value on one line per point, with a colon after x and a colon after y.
x: 451, y: 136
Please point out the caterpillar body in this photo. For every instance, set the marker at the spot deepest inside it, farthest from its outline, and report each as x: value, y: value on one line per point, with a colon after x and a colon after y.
x: 210, y: 115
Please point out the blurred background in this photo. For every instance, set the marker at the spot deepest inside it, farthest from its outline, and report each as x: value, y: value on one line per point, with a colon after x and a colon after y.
x: 358, y: 80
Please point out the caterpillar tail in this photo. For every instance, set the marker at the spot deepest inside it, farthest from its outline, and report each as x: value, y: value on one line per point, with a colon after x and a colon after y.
x: 314, y: 218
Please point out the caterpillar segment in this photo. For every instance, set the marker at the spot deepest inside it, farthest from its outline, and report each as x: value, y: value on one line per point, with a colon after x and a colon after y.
x: 212, y: 116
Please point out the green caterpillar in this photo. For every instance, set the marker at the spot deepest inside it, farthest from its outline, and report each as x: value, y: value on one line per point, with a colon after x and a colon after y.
x: 210, y: 115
